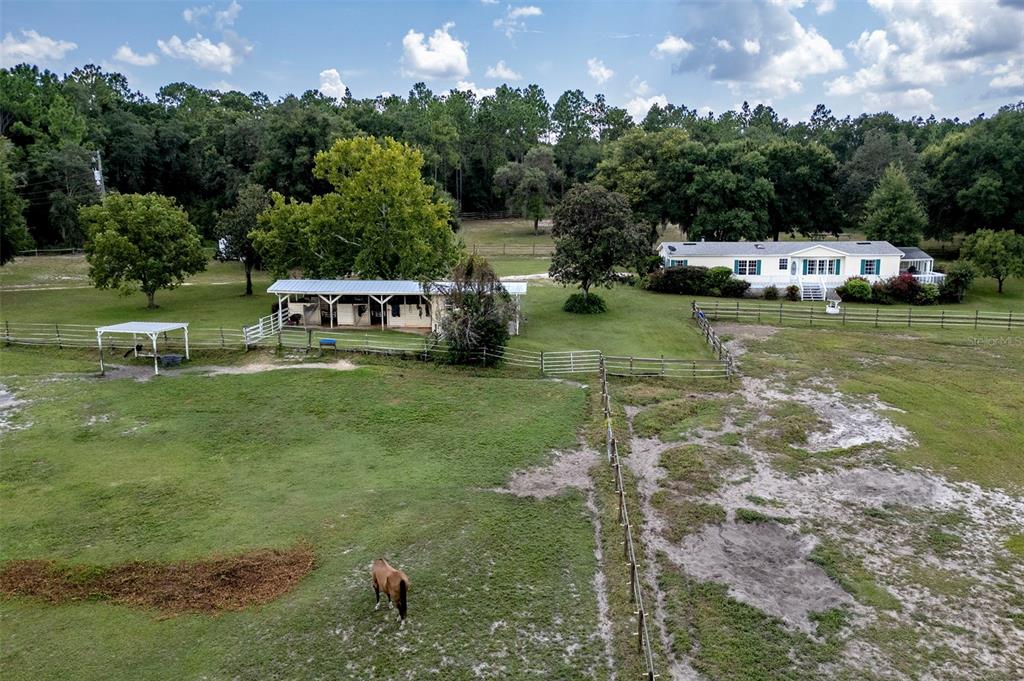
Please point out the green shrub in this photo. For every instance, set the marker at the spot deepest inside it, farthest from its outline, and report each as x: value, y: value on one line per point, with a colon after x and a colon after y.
x: 928, y: 295
x: 680, y: 280
x: 792, y: 292
x: 855, y: 289
x: 716, y: 279
x: 880, y: 293
x: 959, y: 277
x: 585, y: 304
x: 770, y: 293
x: 734, y: 288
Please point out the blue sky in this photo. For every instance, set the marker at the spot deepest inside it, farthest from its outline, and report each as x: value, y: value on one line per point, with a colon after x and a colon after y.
x: 950, y: 58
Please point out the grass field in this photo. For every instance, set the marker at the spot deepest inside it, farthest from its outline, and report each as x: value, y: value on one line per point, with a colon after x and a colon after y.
x: 511, y: 231
x: 177, y: 468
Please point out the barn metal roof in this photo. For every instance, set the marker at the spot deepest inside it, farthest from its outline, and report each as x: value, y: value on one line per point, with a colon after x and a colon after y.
x: 142, y: 327
x: 756, y: 248
x: 368, y: 287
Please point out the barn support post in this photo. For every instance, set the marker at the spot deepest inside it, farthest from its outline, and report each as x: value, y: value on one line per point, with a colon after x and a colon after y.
x: 156, y: 361
x: 186, y: 341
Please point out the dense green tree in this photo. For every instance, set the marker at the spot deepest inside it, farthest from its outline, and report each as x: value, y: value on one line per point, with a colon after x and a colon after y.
x: 140, y: 242
x: 14, y: 235
x: 236, y: 223
x: 893, y: 212
x: 862, y: 173
x: 996, y: 254
x: 530, y: 187
x: 975, y: 178
x: 594, y: 233
x: 382, y: 220
x: 803, y: 178
x: 731, y: 195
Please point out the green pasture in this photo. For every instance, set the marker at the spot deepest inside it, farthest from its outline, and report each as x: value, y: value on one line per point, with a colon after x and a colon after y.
x: 105, y: 471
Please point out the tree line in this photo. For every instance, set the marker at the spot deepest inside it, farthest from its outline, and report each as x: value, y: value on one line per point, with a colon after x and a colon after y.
x: 740, y: 174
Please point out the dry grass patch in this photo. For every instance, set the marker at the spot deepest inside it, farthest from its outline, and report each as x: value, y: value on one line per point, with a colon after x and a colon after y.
x: 211, y: 585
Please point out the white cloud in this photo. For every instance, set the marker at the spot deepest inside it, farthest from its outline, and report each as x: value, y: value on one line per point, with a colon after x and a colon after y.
x: 331, y: 84
x: 227, y: 17
x: 204, y: 53
x: 502, y: 71
x: 639, y: 87
x: 671, y: 46
x: 914, y: 101
x: 598, y: 71
x: 192, y: 14
x: 488, y: 2
x: 758, y: 48
x: 515, y: 18
x: 824, y: 6
x: 32, y: 48
x: 1008, y: 76
x: 639, y: 106
x: 441, y: 56
x: 224, y: 86
x: 926, y: 45
x: 129, y: 56
x: 469, y: 86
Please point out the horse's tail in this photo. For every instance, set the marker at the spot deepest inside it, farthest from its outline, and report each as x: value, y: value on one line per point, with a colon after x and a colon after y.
x: 401, y: 598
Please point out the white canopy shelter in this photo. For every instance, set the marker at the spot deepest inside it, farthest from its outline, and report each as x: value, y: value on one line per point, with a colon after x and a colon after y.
x: 151, y: 330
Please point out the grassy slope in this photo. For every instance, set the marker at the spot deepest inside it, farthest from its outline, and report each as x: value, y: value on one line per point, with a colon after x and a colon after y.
x: 637, y: 323
x: 497, y: 232
x: 399, y: 472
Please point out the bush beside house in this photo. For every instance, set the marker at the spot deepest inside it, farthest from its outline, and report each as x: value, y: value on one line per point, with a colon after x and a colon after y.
x: 696, y: 281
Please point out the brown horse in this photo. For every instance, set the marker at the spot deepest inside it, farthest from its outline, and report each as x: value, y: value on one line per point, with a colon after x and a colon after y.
x: 395, y: 585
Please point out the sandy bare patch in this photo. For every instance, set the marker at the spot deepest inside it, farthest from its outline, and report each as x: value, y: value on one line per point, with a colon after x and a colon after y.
x: 851, y: 420
x: 742, y: 334
x: 764, y: 565
x: 260, y: 367
x: 566, y: 470
x: 231, y: 583
x: 9, y: 406
x: 604, y: 621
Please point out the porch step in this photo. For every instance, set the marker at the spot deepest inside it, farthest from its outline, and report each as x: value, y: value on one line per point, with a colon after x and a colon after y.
x: 812, y: 291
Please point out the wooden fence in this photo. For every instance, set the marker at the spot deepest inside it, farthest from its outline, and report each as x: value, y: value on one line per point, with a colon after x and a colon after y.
x: 877, y: 317
x: 712, y: 338
x: 270, y: 333
x: 636, y: 590
x: 513, y: 249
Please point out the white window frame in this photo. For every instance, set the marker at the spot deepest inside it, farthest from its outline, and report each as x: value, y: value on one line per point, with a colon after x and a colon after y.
x: 783, y: 263
x: 821, y: 266
x: 869, y: 267
x: 746, y: 268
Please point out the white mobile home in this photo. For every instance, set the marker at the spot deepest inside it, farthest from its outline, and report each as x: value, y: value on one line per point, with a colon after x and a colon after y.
x: 814, y: 266
x: 353, y: 303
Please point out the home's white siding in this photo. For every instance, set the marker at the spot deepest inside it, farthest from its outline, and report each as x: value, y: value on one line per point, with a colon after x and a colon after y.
x: 784, y: 270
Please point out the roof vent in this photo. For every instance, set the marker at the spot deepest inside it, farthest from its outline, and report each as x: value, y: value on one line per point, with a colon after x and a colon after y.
x: 863, y: 243
x: 689, y: 243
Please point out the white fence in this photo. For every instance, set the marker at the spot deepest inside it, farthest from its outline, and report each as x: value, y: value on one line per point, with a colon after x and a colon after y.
x: 84, y: 336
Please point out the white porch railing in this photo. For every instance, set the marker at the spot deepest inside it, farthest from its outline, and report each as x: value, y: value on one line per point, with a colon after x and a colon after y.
x: 930, y: 277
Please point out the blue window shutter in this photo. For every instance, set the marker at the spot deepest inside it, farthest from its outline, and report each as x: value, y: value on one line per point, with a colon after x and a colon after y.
x: 878, y: 267
x: 684, y: 263
x: 735, y: 266
x: 839, y: 266
x: 805, y: 266
x: 863, y: 265
x: 758, y: 271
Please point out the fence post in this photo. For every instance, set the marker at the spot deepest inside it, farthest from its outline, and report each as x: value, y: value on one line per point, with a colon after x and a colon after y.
x: 876, y: 317
x: 7, y: 331
x: 780, y: 313
x: 975, y: 319
x: 631, y: 365
x: 942, y: 320
x: 810, y: 318
x: 910, y: 311
x: 60, y: 344
x: 542, y: 361
x: 1009, y: 321
x: 663, y: 365
x: 844, y: 316
x: 737, y: 310
x: 716, y: 310
x: 640, y: 630
x: 222, y: 345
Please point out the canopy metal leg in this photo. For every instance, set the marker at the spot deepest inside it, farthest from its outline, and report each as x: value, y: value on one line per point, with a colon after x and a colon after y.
x: 156, y: 362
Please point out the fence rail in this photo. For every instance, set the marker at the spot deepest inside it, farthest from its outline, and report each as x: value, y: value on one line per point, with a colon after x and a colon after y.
x: 712, y: 339
x: 877, y: 317
x: 636, y: 594
x: 513, y: 249
x: 269, y: 332
x: 52, y: 251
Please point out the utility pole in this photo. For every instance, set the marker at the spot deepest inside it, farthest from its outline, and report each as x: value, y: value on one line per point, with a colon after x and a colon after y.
x: 97, y: 173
